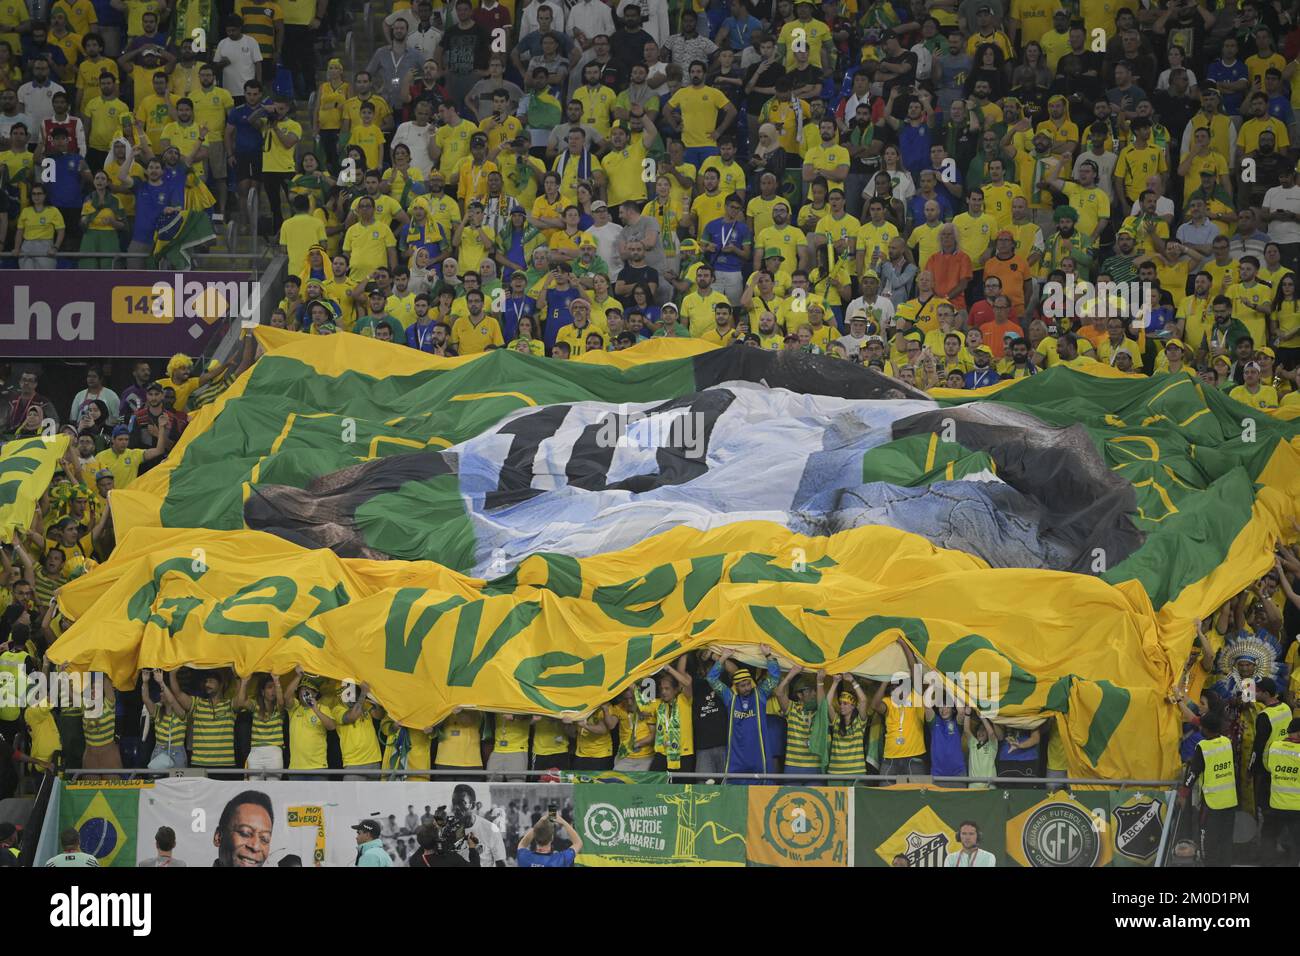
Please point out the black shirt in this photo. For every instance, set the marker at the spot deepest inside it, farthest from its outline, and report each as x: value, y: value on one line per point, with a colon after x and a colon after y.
x: 766, y: 78
x: 906, y: 58
x: 628, y: 46
x: 631, y: 274
x: 710, y: 728
x: 467, y: 48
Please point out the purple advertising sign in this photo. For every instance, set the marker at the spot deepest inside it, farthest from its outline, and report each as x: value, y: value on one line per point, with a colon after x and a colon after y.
x: 49, y: 313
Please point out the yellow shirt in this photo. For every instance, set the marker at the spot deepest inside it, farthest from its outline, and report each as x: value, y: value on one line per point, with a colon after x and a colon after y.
x: 731, y: 177
x: 1248, y: 137
x: 825, y: 159
x: 700, y: 108
x: 635, y: 725
x: 706, y: 209
x: 998, y: 200
x: 357, y: 741
x: 550, y: 738
x: 500, y: 132
x: 88, y: 77
x: 510, y: 734
x: 759, y: 210
x: 1099, y: 13
x: 873, y: 239
x: 352, y: 108
x: 572, y: 168
x: 596, y: 106
x: 402, y: 308
x: 105, y: 121
x: 40, y: 225
x: 815, y: 34
x: 1063, y: 132
x: 1263, y: 399
x: 789, y: 239
x: 330, y: 103
x: 679, y: 196
x: 370, y: 140
x: 1035, y: 18
x: 926, y: 239
x: 308, y: 746
x: 43, y: 732
x: 783, y: 116
x: 1218, y: 273
x: 624, y: 168
x: 1242, y: 300
x: 846, y: 227
x: 1136, y: 164
x: 1258, y: 65
x: 185, y: 138
x: 697, y: 310
x: 278, y: 158
x: 594, y: 743
x: 904, y: 728
x: 124, y: 467
x: 974, y: 234
x: 443, y: 210
x: 1092, y: 205
x: 470, y: 338
x: 472, y: 179
x: 997, y: 38
x: 454, y: 143
x: 459, y: 739
x: 135, y: 11
x: 367, y: 247
x: 1212, y: 161
x: 80, y: 13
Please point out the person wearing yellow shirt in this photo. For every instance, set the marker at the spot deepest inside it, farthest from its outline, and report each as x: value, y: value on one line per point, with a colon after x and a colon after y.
x: 368, y: 136
x: 596, y: 98
x: 694, y: 111
x: 1259, y: 122
x: 1253, y: 393
x: 1252, y: 300
x: 625, y: 163
x: 184, y: 133
x: 473, y: 240
x: 80, y: 15
x: 827, y: 158
x: 804, y: 33
x: 975, y: 228
x: 1201, y: 158
x: 789, y: 115
x: 1137, y: 161
x: 476, y: 331
x: 361, y: 92
x: 1058, y: 126
x: 709, y: 205
x: 154, y: 111
x: 999, y: 194
x: 1099, y: 15
x: 39, y: 233
x: 451, y: 143
x: 368, y: 243
x: 784, y: 236
x: 987, y: 33
x: 1033, y: 19
x: 470, y: 180
x: 697, y: 308
x: 731, y: 175
x: 925, y: 237
x: 837, y: 229
x: 460, y: 741
x: 723, y: 331
x: 509, y: 746
x: 577, y: 163
x: 758, y: 211
x: 1265, y: 58
x: 904, y: 724
x: 874, y: 237
x: 105, y: 113
x: 1087, y: 198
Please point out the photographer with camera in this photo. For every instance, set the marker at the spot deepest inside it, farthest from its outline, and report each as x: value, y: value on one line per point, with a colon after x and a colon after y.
x: 441, y: 841
x: 543, y: 833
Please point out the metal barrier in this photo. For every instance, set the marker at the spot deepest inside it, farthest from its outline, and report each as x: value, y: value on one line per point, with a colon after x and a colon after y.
x: 255, y: 259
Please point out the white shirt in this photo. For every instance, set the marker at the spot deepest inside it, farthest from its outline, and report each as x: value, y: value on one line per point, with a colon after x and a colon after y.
x: 883, y: 305
x: 491, y: 847
x: 960, y: 858
x: 243, y: 54
x: 416, y: 139
x: 1164, y: 207
x: 9, y: 122
x: 38, y: 101
x: 1287, y: 200
x: 656, y: 14
x: 424, y: 42
x: 606, y: 237
x: 528, y: 21
x: 592, y: 17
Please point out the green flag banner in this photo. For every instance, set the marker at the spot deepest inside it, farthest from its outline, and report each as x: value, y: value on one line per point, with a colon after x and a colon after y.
x: 921, y: 823
x: 654, y: 777
x: 639, y: 825
x: 106, y: 817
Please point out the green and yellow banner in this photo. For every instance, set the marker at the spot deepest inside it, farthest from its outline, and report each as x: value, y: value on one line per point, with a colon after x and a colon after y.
x: 26, y: 467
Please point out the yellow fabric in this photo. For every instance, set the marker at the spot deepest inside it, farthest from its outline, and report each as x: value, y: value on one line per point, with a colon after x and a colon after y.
x: 511, y: 736
x: 458, y: 740
x: 26, y: 467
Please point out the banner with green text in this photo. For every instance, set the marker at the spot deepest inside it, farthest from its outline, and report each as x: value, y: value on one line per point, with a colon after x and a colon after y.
x: 661, y: 826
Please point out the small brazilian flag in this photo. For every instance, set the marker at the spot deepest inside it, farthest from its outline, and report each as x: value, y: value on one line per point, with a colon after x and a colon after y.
x: 106, y: 818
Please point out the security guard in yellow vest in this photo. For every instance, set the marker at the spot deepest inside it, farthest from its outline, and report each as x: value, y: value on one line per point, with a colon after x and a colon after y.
x: 1283, y: 763
x: 1212, y: 761
x: 1270, y: 726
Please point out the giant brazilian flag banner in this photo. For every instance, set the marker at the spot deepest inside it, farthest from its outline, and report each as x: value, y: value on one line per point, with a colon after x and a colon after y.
x: 520, y: 534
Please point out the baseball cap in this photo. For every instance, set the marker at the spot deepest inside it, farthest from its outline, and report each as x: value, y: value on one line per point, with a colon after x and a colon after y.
x: 1175, y: 342
x: 666, y: 307
x: 103, y: 473
x: 870, y: 274
x: 1265, y: 350
x: 984, y: 348
x: 771, y: 252
x: 587, y: 243
x: 1125, y: 232
x: 599, y: 204
x: 154, y: 387
x: 121, y: 430
x: 368, y: 826
x: 874, y: 338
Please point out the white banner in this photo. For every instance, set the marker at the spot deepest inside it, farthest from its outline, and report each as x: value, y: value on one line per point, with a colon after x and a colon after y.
x: 252, y: 823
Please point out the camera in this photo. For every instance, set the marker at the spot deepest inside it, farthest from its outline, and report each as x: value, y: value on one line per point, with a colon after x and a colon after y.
x: 452, y: 827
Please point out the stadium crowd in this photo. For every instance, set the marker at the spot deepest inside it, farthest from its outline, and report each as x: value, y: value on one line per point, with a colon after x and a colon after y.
x: 952, y: 192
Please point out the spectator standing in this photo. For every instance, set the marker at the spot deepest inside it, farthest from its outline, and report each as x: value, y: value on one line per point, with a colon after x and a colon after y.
x: 164, y: 842
x: 370, y: 848
x: 969, y: 852
x: 675, y: 719
x: 745, y: 704
x: 266, y: 741
x: 536, y: 849
x: 70, y: 843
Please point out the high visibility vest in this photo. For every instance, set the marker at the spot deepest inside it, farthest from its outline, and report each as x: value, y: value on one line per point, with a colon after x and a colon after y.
x: 1283, y: 762
x: 1279, y: 715
x: 1219, y: 780
x: 13, y: 690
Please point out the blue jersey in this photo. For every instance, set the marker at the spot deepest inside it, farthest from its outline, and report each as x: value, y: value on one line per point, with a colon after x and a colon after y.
x: 150, y: 201
x: 722, y: 233
x: 248, y: 138
x: 529, y: 859
x: 557, y: 313
x: 946, y: 756
x: 512, y: 311
x: 749, y: 744
x: 914, y: 145
x: 65, y: 190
